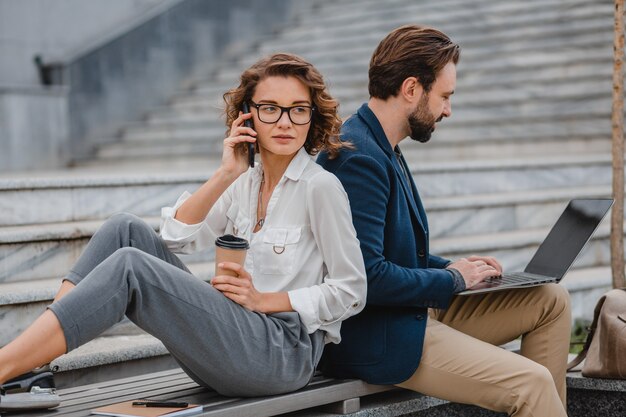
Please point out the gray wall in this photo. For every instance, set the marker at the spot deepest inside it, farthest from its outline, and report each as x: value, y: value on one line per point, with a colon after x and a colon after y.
x: 117, y: 82
x: 33, y: 128
x: 119, y: 58
x: 57, y: 29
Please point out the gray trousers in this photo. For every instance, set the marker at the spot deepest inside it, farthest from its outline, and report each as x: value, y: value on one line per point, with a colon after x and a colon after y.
x: 126, y: 270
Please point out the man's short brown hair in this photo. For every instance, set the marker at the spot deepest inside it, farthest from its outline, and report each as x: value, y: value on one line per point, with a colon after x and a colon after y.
x: 409, y: 51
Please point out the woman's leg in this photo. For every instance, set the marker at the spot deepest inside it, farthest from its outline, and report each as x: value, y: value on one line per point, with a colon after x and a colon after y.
x: 26, y: 352
x: 119, y: 231
x: 66, y: 286
x: 225, y: 346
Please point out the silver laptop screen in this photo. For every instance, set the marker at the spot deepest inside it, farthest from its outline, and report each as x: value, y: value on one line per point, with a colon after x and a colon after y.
x: 568, y: 236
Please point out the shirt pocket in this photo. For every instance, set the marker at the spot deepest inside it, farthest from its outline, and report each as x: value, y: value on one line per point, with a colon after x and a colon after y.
x: 238, y: 224
x: 279, y: 250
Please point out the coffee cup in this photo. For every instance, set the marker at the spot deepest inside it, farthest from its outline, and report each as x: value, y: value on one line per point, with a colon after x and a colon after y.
x: 229, y: 248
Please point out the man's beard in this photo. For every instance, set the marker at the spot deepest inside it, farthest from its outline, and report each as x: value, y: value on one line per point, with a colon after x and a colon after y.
x: 422, y: 121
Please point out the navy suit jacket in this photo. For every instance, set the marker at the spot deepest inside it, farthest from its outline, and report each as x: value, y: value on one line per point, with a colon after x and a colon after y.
x: 383, y: 344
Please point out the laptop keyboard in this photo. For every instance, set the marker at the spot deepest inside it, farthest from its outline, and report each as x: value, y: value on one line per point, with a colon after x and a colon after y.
x: 517, y: 278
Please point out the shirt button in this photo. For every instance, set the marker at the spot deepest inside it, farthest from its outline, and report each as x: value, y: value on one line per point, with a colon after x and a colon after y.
x: 421, y: 253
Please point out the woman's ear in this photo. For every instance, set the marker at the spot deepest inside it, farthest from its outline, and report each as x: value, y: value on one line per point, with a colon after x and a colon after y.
x: 411, y: 90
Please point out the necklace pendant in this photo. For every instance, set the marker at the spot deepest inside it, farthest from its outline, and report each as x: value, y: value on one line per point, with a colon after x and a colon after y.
x: 261, y: 222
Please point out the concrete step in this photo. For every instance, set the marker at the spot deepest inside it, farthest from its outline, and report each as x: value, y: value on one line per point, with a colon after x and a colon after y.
x: 22, y: 302
x: 503, y: 101
x: 556, y: 29
x: 112, y: 357
x: 555, y: 33
x: 477, y: 214
x: 525, y: 105
x: 514, y: 249
x: 160, y: 148
x: 522, y: 121
x: 474, y: 16
x: 84, y: 195
x: 207, y: 129
x: 42, y: 251
x: 437, y: 179
x: 519, y: 63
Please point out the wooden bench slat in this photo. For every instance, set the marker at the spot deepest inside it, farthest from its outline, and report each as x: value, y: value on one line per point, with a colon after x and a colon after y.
x: 134, y: 379
x: 147, y: 384
x: 310, y: 396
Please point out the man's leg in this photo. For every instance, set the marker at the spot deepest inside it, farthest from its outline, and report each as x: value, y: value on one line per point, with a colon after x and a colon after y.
x: 463, y: 369
x: 541, y: 315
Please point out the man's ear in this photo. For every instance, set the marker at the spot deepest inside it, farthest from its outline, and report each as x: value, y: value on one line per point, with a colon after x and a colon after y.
x: 411, y: 90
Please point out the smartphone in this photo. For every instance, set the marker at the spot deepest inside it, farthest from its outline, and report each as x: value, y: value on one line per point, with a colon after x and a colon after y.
x: 248, y: 123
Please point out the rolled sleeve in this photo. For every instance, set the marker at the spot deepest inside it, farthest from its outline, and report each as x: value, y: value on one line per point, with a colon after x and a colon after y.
x: 189, y: 238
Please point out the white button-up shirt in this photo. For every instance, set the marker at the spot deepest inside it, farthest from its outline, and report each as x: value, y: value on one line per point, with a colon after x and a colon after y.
x: 306, y: 247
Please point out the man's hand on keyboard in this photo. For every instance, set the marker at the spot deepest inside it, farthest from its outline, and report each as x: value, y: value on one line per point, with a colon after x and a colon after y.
x: 476, y: 269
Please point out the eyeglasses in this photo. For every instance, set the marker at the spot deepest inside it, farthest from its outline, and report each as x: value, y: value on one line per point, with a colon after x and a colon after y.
x: 271, y: 113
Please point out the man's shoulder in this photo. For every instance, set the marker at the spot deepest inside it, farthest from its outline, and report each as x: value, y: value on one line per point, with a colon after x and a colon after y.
x: 360, y: 141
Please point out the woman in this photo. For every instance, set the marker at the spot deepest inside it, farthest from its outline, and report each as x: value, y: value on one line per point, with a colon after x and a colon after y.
x: 262, y: 331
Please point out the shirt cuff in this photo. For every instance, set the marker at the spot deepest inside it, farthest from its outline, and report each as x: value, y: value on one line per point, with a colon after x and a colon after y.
x: 459, y: 282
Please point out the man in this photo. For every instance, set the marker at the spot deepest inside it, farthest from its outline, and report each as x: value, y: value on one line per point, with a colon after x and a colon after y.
x: 454, y: 353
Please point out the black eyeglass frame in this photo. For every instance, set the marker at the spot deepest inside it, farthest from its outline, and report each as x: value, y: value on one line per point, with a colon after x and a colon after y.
x: 282, y: 111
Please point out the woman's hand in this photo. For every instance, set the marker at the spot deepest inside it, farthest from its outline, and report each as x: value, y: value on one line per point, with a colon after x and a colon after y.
x: 240, y: 288
x: 235, y: 154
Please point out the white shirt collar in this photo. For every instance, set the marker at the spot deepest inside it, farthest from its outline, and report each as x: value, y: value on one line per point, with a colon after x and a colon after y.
x: 294, y: 170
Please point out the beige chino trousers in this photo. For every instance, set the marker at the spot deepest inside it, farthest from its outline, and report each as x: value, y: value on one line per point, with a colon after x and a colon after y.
x: 461, y: 360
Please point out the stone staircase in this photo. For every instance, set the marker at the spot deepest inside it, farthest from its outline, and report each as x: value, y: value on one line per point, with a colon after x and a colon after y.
x: 530, y: 130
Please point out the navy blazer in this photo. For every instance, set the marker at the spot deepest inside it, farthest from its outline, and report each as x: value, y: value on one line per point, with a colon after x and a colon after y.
x: 383, y: 344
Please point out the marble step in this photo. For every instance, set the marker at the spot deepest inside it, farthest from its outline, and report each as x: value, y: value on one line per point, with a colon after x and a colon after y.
x: 491, y: 213
x: 525, y: 107
x: 556, y: 34
x: 83, y: 195
x: 112, y: 357
x: 554, y: 29
x: 35, y: 252
x: 524, y: 97
x: 451, y: 142
x: 518, y: 120
x: 49, y: 250
x: 22, y: 302
x: 515, y: 248
x: 160, y: 148
x: 455, y: 14
x: 205, y: 94
x: 496, y: 175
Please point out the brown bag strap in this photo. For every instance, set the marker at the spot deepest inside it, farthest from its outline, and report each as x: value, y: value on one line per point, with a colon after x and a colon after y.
x: 592, y: 329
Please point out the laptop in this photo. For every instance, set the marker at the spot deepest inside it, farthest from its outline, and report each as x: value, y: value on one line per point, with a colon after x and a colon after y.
x: 558, y: 251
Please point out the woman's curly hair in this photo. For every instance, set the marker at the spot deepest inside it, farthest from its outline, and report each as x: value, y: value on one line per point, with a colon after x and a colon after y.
x: 325, y: 124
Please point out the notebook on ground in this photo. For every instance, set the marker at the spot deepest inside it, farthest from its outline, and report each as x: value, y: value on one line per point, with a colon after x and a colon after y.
x: 558, y: 251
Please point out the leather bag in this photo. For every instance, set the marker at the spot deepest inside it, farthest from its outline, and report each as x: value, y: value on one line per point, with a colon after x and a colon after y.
x: 605, y: 347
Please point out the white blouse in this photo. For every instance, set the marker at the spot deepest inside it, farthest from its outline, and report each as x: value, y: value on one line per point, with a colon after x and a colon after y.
x: 306, y: 247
